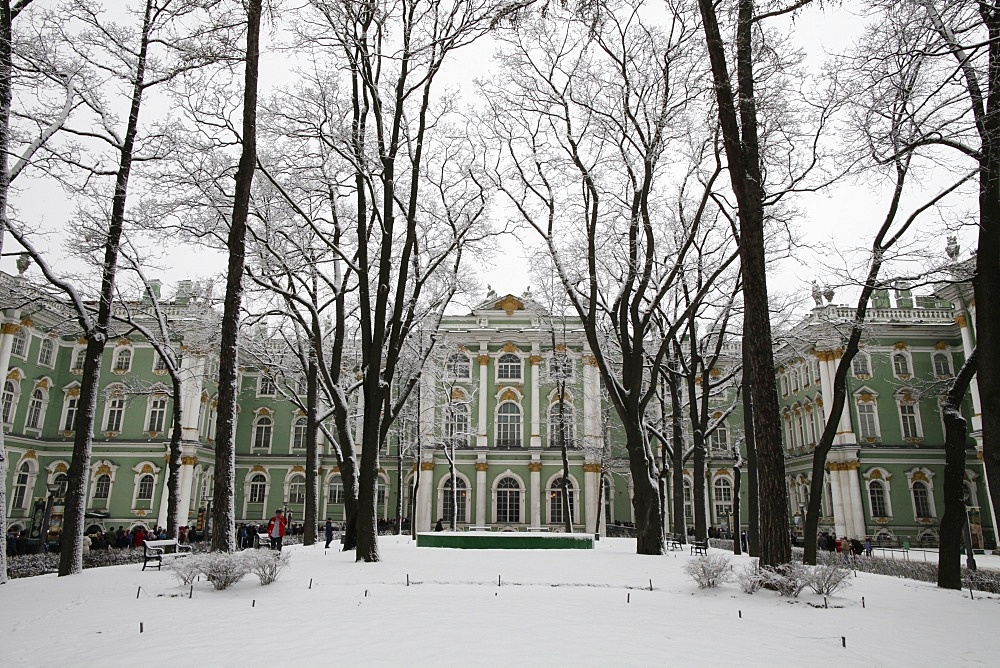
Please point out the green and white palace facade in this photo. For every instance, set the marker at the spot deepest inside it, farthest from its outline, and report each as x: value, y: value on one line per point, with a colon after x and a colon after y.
x: 506, y: 386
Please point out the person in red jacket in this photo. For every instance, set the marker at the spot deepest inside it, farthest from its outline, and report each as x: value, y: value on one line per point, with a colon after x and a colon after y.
x: 276, y: 529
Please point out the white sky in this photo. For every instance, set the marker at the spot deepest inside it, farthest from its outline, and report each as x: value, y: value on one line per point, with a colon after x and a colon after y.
x: 554, y: 607
x: 841, y: 217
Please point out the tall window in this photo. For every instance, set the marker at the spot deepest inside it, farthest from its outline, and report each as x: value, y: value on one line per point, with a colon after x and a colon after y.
x: 942, y: 365
x: 719, y: 439
x: 157, y: 414
x: 266, y: 386
x: 45, y: 352
x: 866, y: 420
x: 297, y: 490
x: 336, y: 490
x: 123, y: 361
x: 299, y: 433
x: 35, y: 406
x: 688, y: 506
x: 81, y: 357
x: 508, y: 501
x: 62, y: 480
x: 723, y: 493
x: 102, y: 487
x: 509, y: 367
x: 258, y: 485
x: 556, y: 508
x: 145, y: 492
x: 877, y: 499
x: 262, y: 433
x: 560, y: 366
x: 922, y: 500
x: 116, y: 412
x: 456, y: 423
x: 900, y: 365
x: 69, y: 420
x: 509, y: 425
x: 810, y: 427
x: 561, y: 426
x: 159, y: 364
x: 908, y: 420
x: 21, y: 486
x: 9, y: 392
x: 19, y: 346
x: 860, y: 365
x: 458, y: 366
x: 459, y: 502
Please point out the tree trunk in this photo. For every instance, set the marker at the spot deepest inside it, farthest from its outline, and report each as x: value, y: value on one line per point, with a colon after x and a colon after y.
x: 174, y: 462
x: 71, y: 552
x: 224, y: 509
x: 677, y: 464
x: 737, y: 534
x: 311, y: 518
x: 955, y: 514
x: 753, y: 512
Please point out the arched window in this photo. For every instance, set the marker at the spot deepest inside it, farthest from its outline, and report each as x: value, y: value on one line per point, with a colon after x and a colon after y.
x: 336, y: 495
x: 810, y: 426
x: 299, y: 434
x: 159, y: 363
x: 909, y: 415
x: 508, y: 501
x: 262, y: 433
x: 868, y: 416
x: 509, y: 367
x: 297, y: 489
x: 942, y: 365
x: 609, y: 495
x: 102, y: 486
x: 723, y: 495
x: 123, y: 360
x: 459, y: 504
x: 901, y: 365
x: 381, y: 497
x: 509, y: 425
x: 458, y: 366
x: 9, y: 394
x: 45, y: 352
x: 561, y: 426
x: 877, y: 499
x: 70, y: 407
x: 19, y: 346
x: 860, y: 365
x: 688, y: 505
x: 456, y: 423
x: 62, y: 480
x: 145, y: 492
x: 258, y: 485
x: 35, y: 410
x: 79, y: 359
x: 266, y: 386
x: 21, y: 486
x: 560, y: 366
x: 556, y: 508
x: 921, y: 500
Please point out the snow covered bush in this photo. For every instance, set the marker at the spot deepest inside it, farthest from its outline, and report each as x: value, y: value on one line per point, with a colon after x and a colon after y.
x: 828, y: 578
x: 749, y: 577
x: 265, y: 564
x: 220, y: 568
x: 786, y: 579
x: 185, y: 569
x: 709, y: 571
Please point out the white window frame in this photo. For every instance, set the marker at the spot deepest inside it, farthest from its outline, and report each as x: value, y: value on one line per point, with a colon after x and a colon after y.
x: 561, y: 367
x: 722, y: 484
x: 78, y: 359
x: 295, y: 479
x: 458, y: 366
x: 28, y: 468
x: 554, y: 495
x: 925, y: 477
x: 907, y: 358
x: 866, y: 372
x: 569, y: 417
x: 119, y: 366
x: 873, y: 402
x: 250, y: 482
x: 520, y: 498
x: 457, y: 421
x: 300, y: 427
x: 153, y: 406
x: 46, y: 352
x: 883, y: 478
x: 266, y: 386
x: 258, y: 429
x: 948, y: 370
x: 14, y: 396
x: 38, y: 403
x: 504, y: 362
x: 505, y: 427
x: 20, y: 344
x: 444, y: 497
x: 912, y: 407
x: 114, y: 403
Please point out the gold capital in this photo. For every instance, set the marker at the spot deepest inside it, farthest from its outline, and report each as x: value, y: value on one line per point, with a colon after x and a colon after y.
x: 10, y: 328
x: 482, y: 466
x: 484, y: 359
x: 535, y: 467
x: 535, y: 359
x: 592, y: 468
x: 961, y: 320
x: 426, y: 466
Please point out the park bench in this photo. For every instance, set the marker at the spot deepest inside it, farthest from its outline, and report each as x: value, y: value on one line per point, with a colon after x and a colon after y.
x: 674, y: 542
x: 156, y: 551
x: 263, y: 540
x: 699, y: 547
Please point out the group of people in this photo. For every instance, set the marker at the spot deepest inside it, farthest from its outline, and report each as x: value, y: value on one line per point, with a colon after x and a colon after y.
x: 96, y: 539
x: 848, y: 547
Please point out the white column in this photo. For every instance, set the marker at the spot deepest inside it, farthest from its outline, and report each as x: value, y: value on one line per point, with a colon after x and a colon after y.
x: 481, y: 500
x: 484, y: 369
x: 591, y: 497
x: 535, y: 493
x: 592, y: 435
x: 840, y: 510
x: 858, y: 509
x: 425, y: 496
x: 7, y: 332
x: 536, y: 367
x: 192, y: 376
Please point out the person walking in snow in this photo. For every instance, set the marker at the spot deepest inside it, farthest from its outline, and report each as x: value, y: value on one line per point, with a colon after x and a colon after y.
x: 276, y: 529
x: 328, y: 530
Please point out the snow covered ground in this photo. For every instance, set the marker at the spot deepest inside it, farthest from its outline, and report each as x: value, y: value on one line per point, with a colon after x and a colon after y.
x: 556, y: 607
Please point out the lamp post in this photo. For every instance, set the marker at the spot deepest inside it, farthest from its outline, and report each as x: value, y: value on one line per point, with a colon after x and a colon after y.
x: 970, y: 556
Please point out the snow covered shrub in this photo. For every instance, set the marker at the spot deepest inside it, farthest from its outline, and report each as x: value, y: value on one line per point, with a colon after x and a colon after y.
x: 265, y: 564
x: 185, y: 569
x: 220, y: 568
x: 828, y: 578
x: 786, y: 579
x: 709, y: 571
x: 749, y: 577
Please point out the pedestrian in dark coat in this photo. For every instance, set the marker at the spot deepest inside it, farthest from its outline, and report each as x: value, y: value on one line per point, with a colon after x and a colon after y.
x: 328, y: 530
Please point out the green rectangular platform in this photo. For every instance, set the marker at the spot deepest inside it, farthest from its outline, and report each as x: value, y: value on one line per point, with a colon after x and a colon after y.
x: 506, y: 540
